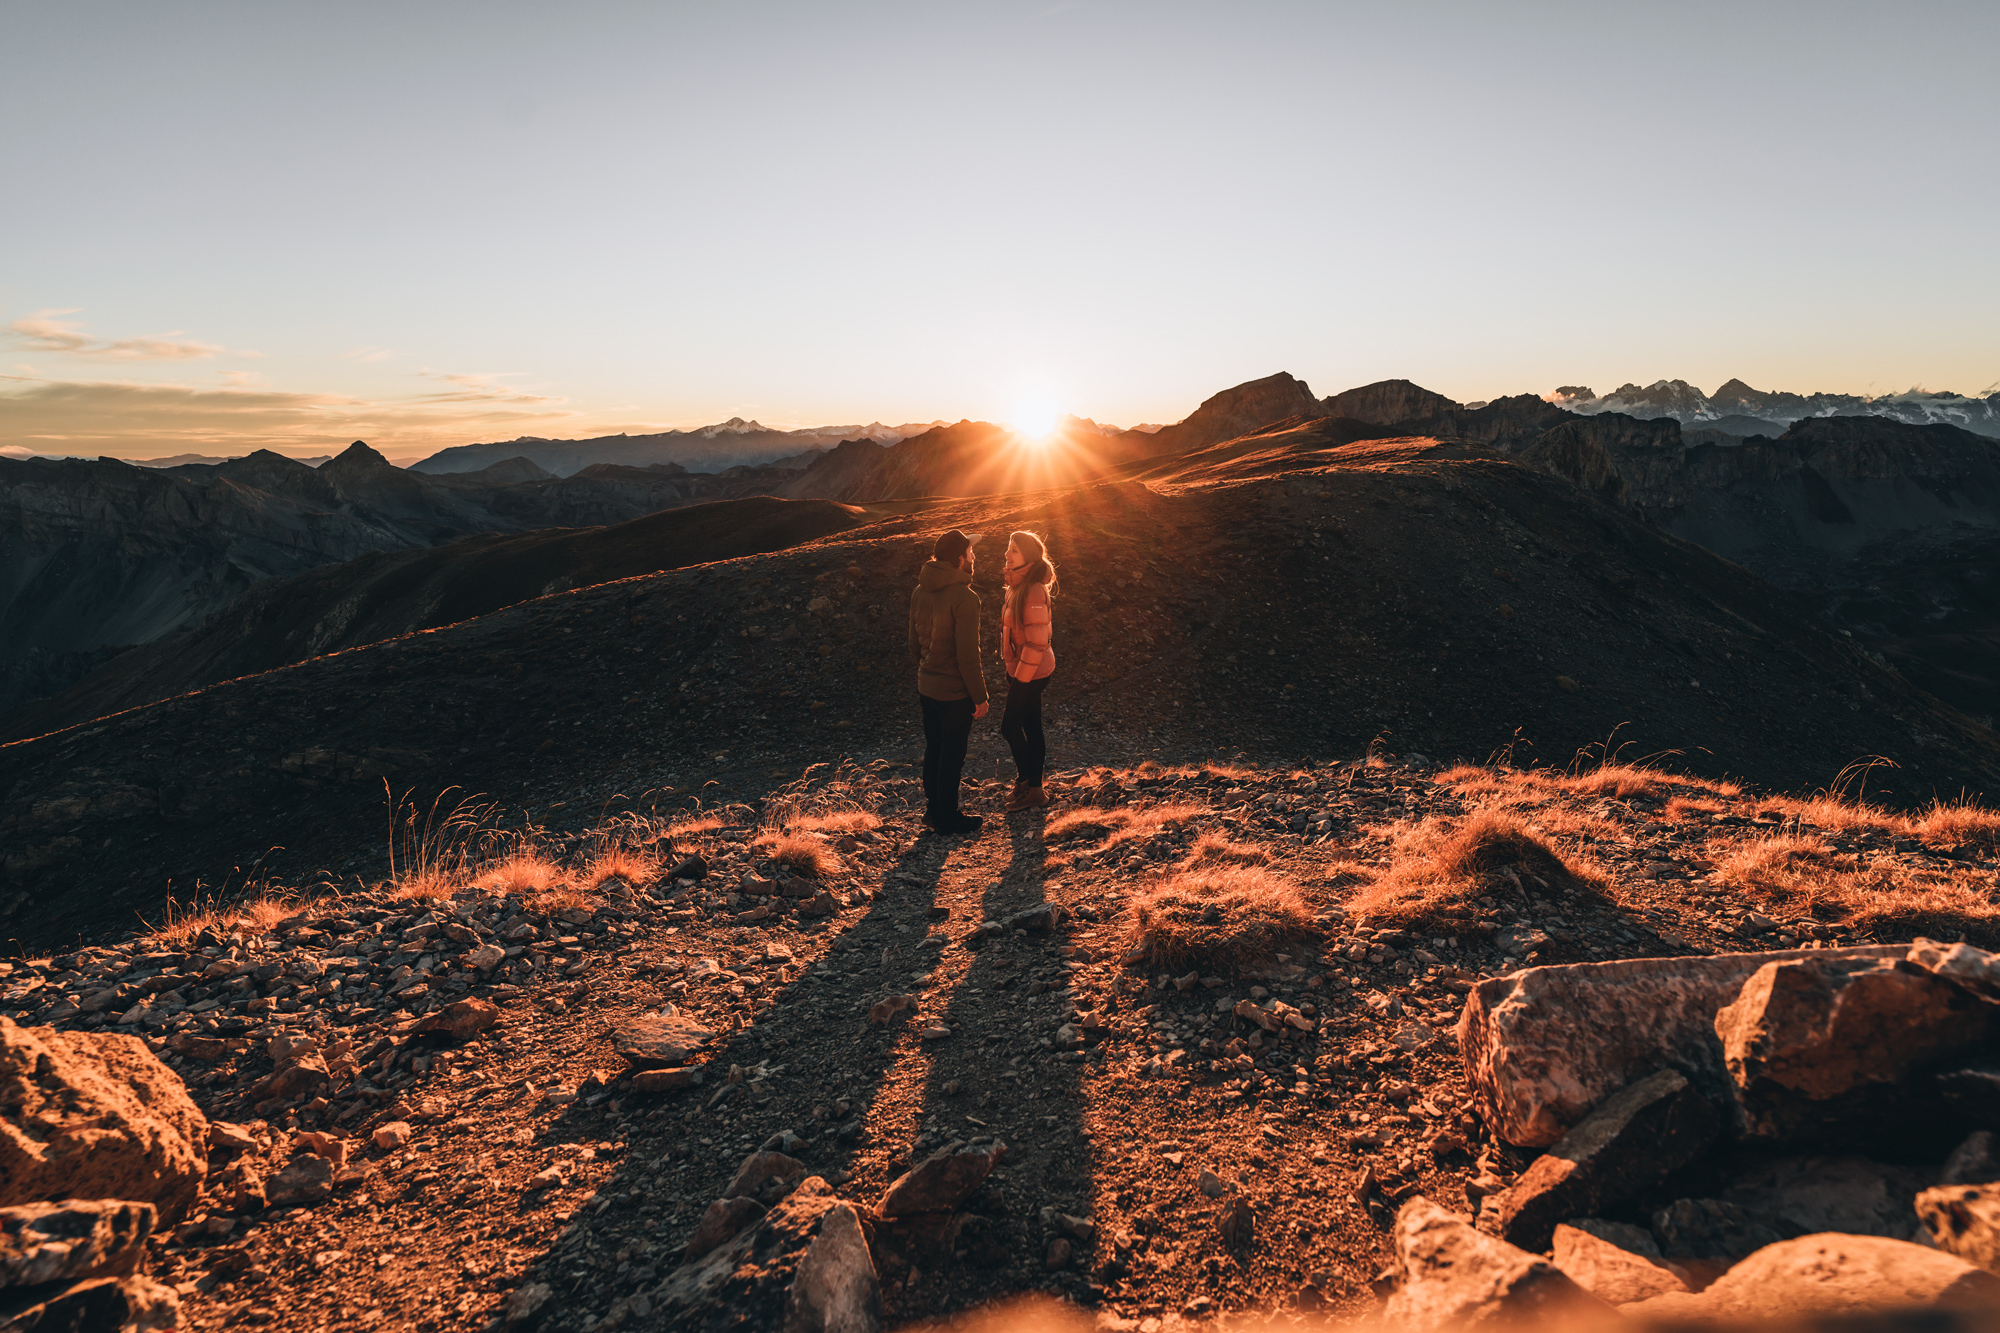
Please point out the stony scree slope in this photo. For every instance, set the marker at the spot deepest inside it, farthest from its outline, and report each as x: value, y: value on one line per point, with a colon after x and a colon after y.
x: 424, y: 1121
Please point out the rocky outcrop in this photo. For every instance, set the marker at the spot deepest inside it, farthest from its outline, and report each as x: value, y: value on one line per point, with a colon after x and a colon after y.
x: 1635, y: 1138
x: 95, y: 1116
x: 777, y: 1274
x: 1828, y: 1045
x: 1544, y: 1046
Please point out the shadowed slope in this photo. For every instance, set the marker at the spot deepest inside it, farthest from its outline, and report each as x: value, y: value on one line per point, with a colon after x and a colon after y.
x: 1448, y: 602
x: 380, y: 596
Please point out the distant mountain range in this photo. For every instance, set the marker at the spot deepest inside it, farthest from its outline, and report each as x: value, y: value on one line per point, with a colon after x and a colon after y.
x: 1738, y: 409
x: 727, y: 444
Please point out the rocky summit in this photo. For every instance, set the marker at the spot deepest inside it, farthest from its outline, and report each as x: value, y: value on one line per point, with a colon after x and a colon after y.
x: 1485, y: 878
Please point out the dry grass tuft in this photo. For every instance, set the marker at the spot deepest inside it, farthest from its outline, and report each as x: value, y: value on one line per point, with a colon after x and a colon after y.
x: 1441, y: 870
x: 801, y: 853
x: 430, y: 882
x: 621, y: 863
x: 1216, y: 849
x: 1956, y: 823
x: 1119, y: 825
x: 1222, y: 916
x: 835, y: 821
x: 1682, y: 808
x: 693, y: 826
x: 181, y: 923
x: 524, y: 872
x: 1620, y: 780
x: 1794, y: 877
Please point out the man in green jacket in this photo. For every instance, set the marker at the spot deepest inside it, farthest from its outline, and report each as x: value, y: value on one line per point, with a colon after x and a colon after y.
x: 951, y: 684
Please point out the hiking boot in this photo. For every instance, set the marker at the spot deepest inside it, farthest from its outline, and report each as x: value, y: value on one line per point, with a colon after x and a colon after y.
x: 1026, y: 798
x: 959, y: 824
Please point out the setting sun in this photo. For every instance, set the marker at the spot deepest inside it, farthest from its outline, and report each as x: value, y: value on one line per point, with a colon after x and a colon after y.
x: 1034, y: 417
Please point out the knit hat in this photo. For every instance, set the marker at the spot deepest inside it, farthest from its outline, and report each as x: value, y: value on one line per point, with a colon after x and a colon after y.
x: 951, y: 547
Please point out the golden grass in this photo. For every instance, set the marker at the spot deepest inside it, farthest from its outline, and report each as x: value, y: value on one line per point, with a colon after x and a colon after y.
x: 621, y: 863
x: 1791, y: 876
x: 427, y: 883
x: 693, y: 826
x: 1119, y: 824
x: 801, y: 853
x: 1958, y: 822
x: 1219, y: 916
x: 525, y: 872
x: 181, y: 923
x: 835, y: 821
x: 1619, y: 780
x: 1682, y: 808
x: 1217, y: 849
x: 1442, y: 868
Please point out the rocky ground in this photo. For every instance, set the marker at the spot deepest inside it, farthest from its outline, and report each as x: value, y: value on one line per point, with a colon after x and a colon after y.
x: 423, y: 1119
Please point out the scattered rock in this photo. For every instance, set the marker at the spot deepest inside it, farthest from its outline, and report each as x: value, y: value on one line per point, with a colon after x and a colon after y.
x: 835, y: 1289
x: 1236, y: 1223
x: 1805, y: 1195
x: 943, y: 1180
x: 766, y: 1177
x: 486, y: 957
x: 307, y: 1179
x: 1452, y: 1275
x: 665, y: 1080
x: 1544, y: 1046
x: 393, y: 1135
x: 887, y: 1011
x: 297, y: 1081
x: 746, y: 1281
x: 650, y: 1041
x: 1712, y: 1229
x: 71, y: 1240
x: 1612, y: 1272
x: 1039, y: 919
x: 1825, y: 1045
x: 124, y: 1304
x: 1831, y: 1275
x: 689, y: 867
x: 95, y: 1115
x: 1211, y: 1185
x: 1964, y: 1220
x: 1634, y: 1139
x: 460, y: 1019
x: 721, y: 1221
x: 1973, y: 1162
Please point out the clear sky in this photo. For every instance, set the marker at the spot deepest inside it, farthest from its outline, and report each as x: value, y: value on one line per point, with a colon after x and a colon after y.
x: 291, y: 225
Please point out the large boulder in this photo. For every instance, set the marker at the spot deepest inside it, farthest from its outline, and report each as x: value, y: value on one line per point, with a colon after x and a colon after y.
x: 1825, y: 1046
x: 1542, y: 1047
x: 74, y: 1239
x: 1452, y: 1276
x: 1634, y: 1139
x: 1830, y: 1274
x: 95, y: 1116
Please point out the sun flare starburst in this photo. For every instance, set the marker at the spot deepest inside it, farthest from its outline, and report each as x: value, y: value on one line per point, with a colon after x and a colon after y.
x: 1034, y: 417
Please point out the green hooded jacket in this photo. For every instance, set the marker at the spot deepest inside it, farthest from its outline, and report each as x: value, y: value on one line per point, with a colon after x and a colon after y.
x: 944, y: 634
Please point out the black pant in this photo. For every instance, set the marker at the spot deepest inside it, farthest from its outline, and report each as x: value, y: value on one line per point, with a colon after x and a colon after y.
x: 1021, y: 725
x: 947, y: 729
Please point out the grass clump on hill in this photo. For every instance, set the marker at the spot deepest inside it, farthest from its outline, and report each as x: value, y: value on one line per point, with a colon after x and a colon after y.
x: 1218, y: 849
x: 1225, y: 916
x: 1441, y: 868
x: 1119, y: 825
x: 1798, y: 876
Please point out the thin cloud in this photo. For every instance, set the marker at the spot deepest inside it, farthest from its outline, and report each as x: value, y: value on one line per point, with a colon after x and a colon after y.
x: 367, y: 354
x: 127, y: 419
x: 476, y: 388
x: 43, y: 332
